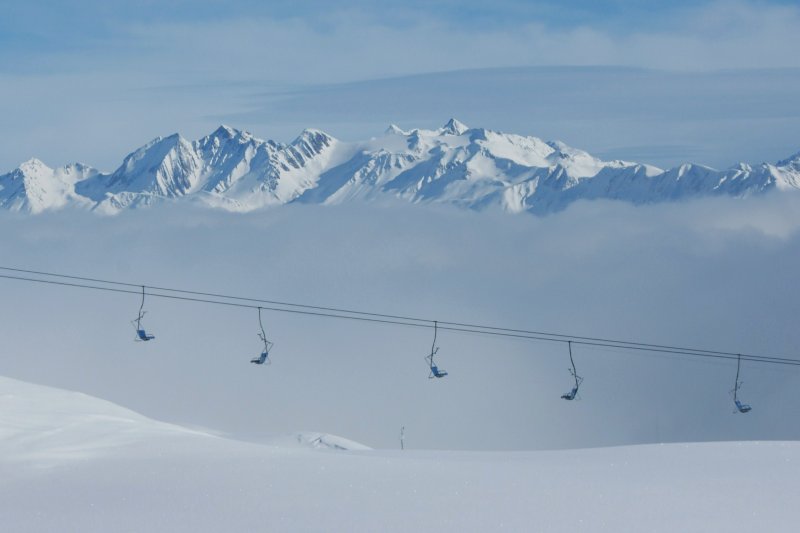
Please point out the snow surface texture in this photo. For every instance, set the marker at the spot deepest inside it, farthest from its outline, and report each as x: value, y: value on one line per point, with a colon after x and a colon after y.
x: 470, y: 167
x: 70, y: 462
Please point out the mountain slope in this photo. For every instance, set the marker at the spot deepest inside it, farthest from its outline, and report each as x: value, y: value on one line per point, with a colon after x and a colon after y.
x: 35, y: 187
x: 474, y: 168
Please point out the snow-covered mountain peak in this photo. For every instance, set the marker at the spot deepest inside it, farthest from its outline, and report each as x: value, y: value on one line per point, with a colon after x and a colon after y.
x: 562, y: 148
x: 35, y: 187
x: 153, y: 154
x: 454, y: 127
x: 471, y: 167
x: 154, y: 149
x: 394, y: 129
x: 225, y: 132
x: 222, y: 136
x: 34, y: 166
x: 312, y: 142
x: 791, y: 161
x: 312, y: 135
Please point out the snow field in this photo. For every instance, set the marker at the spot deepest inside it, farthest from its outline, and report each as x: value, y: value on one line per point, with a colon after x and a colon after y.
x: 69, y: 462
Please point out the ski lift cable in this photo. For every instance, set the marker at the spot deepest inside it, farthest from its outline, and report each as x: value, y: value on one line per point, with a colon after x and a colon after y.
x: 217, y: 302
x: 422, y: 321
x: 216, y: 295
x: 494, y: 332
x: 755, y: 358
x: 556, y: 336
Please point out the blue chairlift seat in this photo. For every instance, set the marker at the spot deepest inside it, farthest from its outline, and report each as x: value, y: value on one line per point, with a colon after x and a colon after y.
x: 571, y: 394
x: 742, y: 407
x: 261, y: 359
x: 143, y: 336
x: 435, y: 372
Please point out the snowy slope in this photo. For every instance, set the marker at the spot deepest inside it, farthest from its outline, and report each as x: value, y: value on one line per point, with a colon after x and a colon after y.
x: 471, y: 167
x: 69, y: 462
x: 44, y: 426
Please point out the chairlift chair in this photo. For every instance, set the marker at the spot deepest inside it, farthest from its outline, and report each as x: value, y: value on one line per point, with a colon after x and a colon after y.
x: 571, y: 395
x: 264, y: 357
x: 141, y: 334
x: 261, y: 359
x: 740, y: 407
x: 436, y: 372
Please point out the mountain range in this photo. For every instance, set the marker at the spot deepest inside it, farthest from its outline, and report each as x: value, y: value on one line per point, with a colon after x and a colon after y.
x: 474, y: 168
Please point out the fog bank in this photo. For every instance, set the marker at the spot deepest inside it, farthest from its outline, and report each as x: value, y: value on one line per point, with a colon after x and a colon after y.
x: 716, y: 274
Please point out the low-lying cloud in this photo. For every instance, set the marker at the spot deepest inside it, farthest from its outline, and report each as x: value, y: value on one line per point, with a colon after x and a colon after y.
x: 718, y: 274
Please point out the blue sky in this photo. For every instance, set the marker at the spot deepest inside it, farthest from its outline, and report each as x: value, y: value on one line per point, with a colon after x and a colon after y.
x: 33, y: 21
x: 120, y: 73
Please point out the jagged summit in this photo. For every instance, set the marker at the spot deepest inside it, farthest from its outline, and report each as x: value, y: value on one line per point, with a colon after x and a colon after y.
x: 475, y: 168
x: 793, y: 160
x: 454, y: 127
x: 312, y: 134
x: 32, y: 165
x: 394, y: 129
x: 225, y: 132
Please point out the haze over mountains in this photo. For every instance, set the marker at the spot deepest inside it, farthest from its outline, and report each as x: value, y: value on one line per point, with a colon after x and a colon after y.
x: 474, y: 168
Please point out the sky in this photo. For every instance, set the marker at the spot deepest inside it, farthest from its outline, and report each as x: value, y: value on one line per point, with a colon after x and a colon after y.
x: 717, y: 274
x: 663, y: 83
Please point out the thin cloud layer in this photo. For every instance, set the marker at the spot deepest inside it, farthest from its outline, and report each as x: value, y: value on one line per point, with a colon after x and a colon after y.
x: 327, y: 43
x: 93, y: 99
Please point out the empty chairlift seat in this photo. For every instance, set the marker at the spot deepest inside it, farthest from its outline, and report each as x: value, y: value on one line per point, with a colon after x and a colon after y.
x: 436, y: 372
x: 261, y: 359
x: 143, y: 335
x: 264, y: 357
x: 571, y: 394
x: 741, y: 407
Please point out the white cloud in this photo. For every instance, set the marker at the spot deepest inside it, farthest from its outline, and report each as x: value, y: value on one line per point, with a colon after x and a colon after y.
x: 352, y: 46
x: 349, y: 45
x: 144, y: 81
